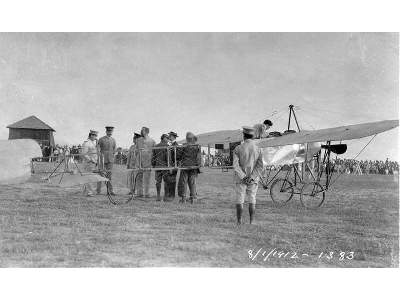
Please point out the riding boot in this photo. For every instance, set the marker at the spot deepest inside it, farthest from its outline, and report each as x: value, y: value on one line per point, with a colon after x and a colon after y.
x: 252, y: 210
x: 239, y: 210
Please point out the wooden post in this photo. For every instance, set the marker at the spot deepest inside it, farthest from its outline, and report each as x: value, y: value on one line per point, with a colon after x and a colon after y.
x: 167, y: 148
x: 209, y: 156
x: 175, y: 156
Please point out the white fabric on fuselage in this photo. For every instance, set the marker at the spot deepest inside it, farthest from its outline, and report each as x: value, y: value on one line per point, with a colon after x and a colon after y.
x: 289, y: 154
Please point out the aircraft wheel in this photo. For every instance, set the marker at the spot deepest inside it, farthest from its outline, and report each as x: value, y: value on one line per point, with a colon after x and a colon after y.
x: 281, y: 191
x: 312, y: 195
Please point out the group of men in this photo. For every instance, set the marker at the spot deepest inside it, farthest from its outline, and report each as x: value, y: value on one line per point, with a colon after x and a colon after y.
x: 167, y: 156
x: 145, y: 155
x: 91, y: 148
x: 140, y: 155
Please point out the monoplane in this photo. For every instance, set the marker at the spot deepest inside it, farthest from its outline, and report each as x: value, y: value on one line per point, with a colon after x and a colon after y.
x: 296, y: 162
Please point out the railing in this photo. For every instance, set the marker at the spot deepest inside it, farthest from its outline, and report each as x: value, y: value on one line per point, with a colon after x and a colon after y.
x: 177, y: 157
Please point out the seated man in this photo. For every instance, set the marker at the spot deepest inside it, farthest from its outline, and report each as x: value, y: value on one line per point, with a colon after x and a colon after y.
x: 260, y: 130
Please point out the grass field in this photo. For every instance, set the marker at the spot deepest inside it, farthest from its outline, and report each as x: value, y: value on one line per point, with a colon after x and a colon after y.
x: 46, y: 226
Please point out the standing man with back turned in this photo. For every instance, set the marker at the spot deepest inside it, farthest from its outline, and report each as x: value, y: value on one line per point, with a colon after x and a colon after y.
x: 107, y: 147
x: 247, y: 165
x: 144, y: 147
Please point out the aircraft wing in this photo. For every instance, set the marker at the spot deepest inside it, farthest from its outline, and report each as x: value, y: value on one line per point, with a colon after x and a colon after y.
x: 219, y: 137
x: 341, y: 133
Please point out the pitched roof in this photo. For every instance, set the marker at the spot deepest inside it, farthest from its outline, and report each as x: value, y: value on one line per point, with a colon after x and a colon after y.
x: 31, y: 122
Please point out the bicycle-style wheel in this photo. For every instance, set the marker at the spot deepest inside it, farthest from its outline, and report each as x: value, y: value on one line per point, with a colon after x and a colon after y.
x: 312, y: 195
x: 281, y: 191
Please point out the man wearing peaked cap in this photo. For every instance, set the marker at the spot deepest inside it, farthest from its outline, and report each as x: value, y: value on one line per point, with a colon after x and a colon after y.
x: 160, y: 160
x: 247, y: 165
x: 107, y: 146
x: 131, y: 163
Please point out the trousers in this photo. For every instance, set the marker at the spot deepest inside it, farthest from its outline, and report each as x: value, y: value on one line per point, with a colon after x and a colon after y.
x: 161, y: 176
x: 171, y: 183
x: 131, y: 180
x: 243, y: 190
x: 187, y: 178
x: 143, y: 183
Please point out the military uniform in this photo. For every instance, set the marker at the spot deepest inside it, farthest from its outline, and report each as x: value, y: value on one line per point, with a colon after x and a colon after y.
x: 143, y: 147
x: 131, y: 164
x: 247, y: 165
x: 107, y: 147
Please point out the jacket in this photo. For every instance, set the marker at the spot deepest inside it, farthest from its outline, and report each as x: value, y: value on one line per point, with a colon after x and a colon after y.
x: 247, y: 161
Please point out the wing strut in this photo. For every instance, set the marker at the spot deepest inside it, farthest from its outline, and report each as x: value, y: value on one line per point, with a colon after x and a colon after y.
x: 333, y: 181
x: 291, y: 110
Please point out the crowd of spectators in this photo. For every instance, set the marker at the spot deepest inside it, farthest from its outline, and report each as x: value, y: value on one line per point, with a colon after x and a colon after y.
x: 347, y: 166
x: 54, y: 154
x: 352, y: 166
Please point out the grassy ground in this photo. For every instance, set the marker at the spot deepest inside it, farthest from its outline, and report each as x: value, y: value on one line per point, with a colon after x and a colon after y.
x: 46, y: 226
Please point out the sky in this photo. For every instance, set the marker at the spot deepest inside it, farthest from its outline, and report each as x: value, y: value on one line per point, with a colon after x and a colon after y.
x: 200, y: 82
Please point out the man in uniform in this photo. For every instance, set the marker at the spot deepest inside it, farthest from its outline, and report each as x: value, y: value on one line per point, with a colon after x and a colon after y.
x: 107, y: 146
x: 260, y: 130
x: 131, y: 163
x: 89, y: 153
x: 144, y: 147
x: 247, y: 165
x: 160, y: 159
x: 171, y: 180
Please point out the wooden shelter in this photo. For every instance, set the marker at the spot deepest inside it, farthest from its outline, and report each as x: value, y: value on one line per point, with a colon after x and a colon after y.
x: 32, y: 128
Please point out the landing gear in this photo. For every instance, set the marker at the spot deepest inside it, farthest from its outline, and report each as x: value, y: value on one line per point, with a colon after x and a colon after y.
x: 281, y: 191
x: 312, y: 195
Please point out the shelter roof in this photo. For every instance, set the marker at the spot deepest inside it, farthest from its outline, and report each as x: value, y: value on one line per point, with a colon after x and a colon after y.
x: 31, y: 122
